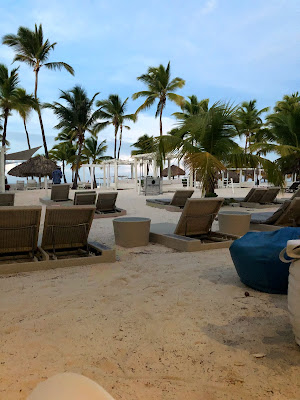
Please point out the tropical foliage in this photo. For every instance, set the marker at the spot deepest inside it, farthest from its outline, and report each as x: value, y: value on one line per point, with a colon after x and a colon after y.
x: 204, y: 137
x: 32, y: 49
x: 76, y: 117
x: 113, y: 111
x: 161, y: 88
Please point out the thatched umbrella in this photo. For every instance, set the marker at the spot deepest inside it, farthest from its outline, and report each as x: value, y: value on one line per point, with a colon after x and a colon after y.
x: 36, y: 166
x: 175, y: 171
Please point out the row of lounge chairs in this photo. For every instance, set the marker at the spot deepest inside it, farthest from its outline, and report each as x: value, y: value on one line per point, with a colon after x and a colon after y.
x: 64, y: 238
x: 194, y: 229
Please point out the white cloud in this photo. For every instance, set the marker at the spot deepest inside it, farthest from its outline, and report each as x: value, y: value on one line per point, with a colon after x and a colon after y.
x: 209, y: 7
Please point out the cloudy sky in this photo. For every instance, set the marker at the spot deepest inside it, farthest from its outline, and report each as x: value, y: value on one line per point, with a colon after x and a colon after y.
x: 225, y: 49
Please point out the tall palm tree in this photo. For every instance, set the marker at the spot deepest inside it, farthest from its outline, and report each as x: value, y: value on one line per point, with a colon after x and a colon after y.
x: 64, y: 152
x: 25, y: 104
x: 249, y: 122
x: 161, y: 88
x: 75, y: 118
x: 113, y: 111
x: 8, y: 95
x: 288, y: 103
x: 32, y: 49
x: 144, y: 144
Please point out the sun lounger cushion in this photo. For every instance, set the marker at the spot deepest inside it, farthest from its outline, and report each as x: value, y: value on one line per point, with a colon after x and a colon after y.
x: 256, y: 259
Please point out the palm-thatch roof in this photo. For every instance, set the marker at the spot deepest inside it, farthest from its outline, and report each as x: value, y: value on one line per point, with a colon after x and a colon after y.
x: 175, y: 171
x: 35, y: 166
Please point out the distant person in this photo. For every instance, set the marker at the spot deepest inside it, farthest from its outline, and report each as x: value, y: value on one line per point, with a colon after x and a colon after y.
x: 56, y: 176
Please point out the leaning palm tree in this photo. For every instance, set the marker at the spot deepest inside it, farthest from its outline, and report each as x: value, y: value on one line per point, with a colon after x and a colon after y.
x: 8, y: 95
x: 113, y: 111
x: 32, y: 49
x: 249, y: 122
x: 161, y: 88
x: 25, y: 104
x: 206, y: 143
x: 75, y: 118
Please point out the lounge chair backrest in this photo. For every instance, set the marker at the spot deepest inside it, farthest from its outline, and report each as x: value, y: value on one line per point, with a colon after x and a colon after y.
x: 31, y: 185
x: 250, y: 193
x: 257, y: 195
x: 270, y: 195
x: 67, y: 227
x: 19, y: 228
x: 106, y: 201
x: 273, y: 219
x: 85, y: 198
x: 197, y: 216
x: 7, y: 199
x: 180, y: 197
x: 294, y: 186
x: 290, y: 215
x: 20, y: 185
x: 60, y: 192
x: 296, y: 194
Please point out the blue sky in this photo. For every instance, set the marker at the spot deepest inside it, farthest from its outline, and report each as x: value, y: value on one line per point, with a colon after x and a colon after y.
x: 225, y: 49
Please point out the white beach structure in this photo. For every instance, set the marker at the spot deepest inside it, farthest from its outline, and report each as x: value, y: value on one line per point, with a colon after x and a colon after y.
x: 139, y: 165
x: 23, y: 155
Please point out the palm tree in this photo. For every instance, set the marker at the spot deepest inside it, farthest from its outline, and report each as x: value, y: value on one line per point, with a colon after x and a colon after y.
x: 93, y: 152
x: 64, y: 152
x: 113, y: 111
x: 284, y: 134
x: 144, y: 144
x: 32, y: 49
x: 192, y: 107
x: 249, y: 122
x: 8, y: 95
x: 25, y: 104
x: 75, y: 118
x: 161, y: 88
x: 206, y: 143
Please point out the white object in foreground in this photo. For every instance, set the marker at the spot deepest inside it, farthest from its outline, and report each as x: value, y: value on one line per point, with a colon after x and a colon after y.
x: 293, y: 250
x: 69, y: 386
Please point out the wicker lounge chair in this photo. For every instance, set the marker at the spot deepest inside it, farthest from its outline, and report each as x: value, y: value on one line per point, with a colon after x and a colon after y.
x: 19, y: 228
x: 193, y: 231
x: 20, y: 185
x: 65, y: 237
x: 106, y: 205
x: 7, y: 199
x: 85, y: 198
x: 294, y: 186
x: 270, y: 195
x: 287, y: 215
x: 31, y: 185
x: 177, y: 203
x: 60, y: 192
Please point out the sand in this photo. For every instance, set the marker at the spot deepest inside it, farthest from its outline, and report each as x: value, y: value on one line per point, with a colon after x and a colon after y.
x: 157, y: 324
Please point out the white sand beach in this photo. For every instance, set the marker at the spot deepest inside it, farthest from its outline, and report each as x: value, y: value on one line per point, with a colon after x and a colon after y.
x: 157, y: 324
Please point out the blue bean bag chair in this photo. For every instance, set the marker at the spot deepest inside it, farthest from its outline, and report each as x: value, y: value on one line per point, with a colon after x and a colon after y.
x: 256, y: 259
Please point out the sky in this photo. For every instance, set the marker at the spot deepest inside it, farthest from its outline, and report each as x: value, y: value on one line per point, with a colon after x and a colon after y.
x: 229, y: 50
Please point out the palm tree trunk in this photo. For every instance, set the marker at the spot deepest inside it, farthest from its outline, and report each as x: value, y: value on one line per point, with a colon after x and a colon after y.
x: 63, y: 171
x: 6, y: 111
x: 40, y: 116
x: 27, y: 135
x: 160, y: 133
x: 116, y: 135
x: 120, y: 144
x: 80, y: 143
